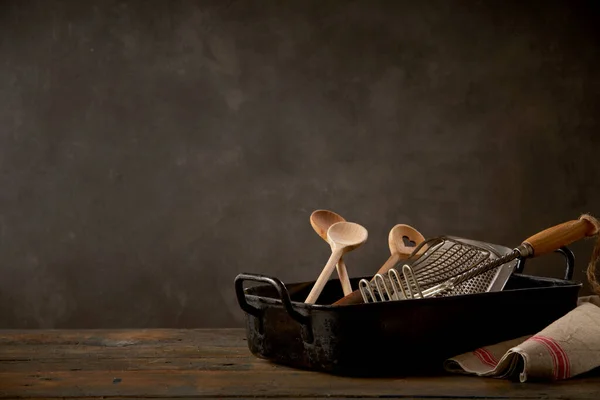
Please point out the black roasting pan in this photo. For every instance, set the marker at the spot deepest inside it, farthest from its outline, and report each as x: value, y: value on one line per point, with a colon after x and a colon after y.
x: 396, y: 337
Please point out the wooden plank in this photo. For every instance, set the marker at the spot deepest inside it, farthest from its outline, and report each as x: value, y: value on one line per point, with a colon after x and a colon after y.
x: 277, y: 383
x: 124, y: 337
x: 243, y: 363
x: 212, y: 363
x: 65, y: 345
x: 83, y: 352
x: 270, y: 398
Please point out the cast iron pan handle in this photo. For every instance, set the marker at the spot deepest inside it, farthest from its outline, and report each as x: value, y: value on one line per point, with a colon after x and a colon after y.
x: 569, y: 257
x: 284, y: 296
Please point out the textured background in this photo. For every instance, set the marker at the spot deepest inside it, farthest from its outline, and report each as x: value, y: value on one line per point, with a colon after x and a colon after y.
x: 152, y: 150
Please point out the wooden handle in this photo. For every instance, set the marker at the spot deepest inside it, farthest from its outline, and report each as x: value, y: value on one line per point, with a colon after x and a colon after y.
x: 343, y: 275
x: 352, y: 298
x: 355, y: 297
x: 553, y: 238
x: 336, y: 254
x: 389, y: 264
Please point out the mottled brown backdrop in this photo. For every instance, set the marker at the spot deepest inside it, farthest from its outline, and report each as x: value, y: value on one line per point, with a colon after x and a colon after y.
x: 152, y: 150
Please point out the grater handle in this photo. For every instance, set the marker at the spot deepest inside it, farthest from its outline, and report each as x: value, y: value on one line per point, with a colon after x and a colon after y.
x: 551, y: 239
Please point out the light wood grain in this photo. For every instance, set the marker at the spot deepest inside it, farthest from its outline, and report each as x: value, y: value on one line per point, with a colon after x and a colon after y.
x: 321, y: 221
x: 344, y: 237
x: 551, y: 239
x: 398, y: 250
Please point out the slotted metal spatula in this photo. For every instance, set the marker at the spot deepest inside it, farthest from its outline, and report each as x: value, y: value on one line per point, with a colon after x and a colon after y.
x: 448, y: 266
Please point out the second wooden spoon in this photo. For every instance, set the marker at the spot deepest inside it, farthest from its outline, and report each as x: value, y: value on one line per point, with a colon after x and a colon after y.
x: 321, y: 221
x: 344, y: 237
x: 402, y: 240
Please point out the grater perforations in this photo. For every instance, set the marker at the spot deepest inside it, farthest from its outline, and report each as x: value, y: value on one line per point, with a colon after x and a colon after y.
x: 446, y: 258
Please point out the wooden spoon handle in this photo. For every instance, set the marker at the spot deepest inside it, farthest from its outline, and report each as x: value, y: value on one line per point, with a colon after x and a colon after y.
x: 389, y: 264
x: 551, y: 239
x: 312, y: 297
x: 344, y: 279
x: 355, y: 297
x: 352, y: 298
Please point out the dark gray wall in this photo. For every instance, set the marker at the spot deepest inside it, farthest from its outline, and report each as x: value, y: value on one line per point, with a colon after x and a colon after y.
x: 152, y: 150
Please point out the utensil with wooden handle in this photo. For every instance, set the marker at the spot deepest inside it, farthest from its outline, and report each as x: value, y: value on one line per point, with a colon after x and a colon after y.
x: 321, y: 221
x: 344, y: 237
x: 402, y: 240
x: 544, y: 242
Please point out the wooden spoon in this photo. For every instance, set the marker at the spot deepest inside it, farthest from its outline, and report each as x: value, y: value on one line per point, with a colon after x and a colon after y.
x: 321, y: 220
x: 344, y: 237
x: 402, y: 240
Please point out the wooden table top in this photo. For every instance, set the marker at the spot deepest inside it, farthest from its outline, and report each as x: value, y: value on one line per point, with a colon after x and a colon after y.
x: 213, y: 363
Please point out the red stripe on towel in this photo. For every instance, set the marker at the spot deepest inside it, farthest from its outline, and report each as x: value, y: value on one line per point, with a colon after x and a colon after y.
x: 552, y: 355
x: 563, y: 364
x: 485, y: 357
x: 489, y: 356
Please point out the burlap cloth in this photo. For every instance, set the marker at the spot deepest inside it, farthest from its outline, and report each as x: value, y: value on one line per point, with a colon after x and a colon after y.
x: 568, y: 347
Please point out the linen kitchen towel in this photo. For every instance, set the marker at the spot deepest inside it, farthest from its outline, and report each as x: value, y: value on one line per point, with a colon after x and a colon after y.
x: 566, y: 348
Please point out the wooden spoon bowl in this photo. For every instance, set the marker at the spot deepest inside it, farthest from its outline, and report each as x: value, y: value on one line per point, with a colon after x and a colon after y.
x: 402, y: 240
x: 344, y: 237
x: 321, y: 221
